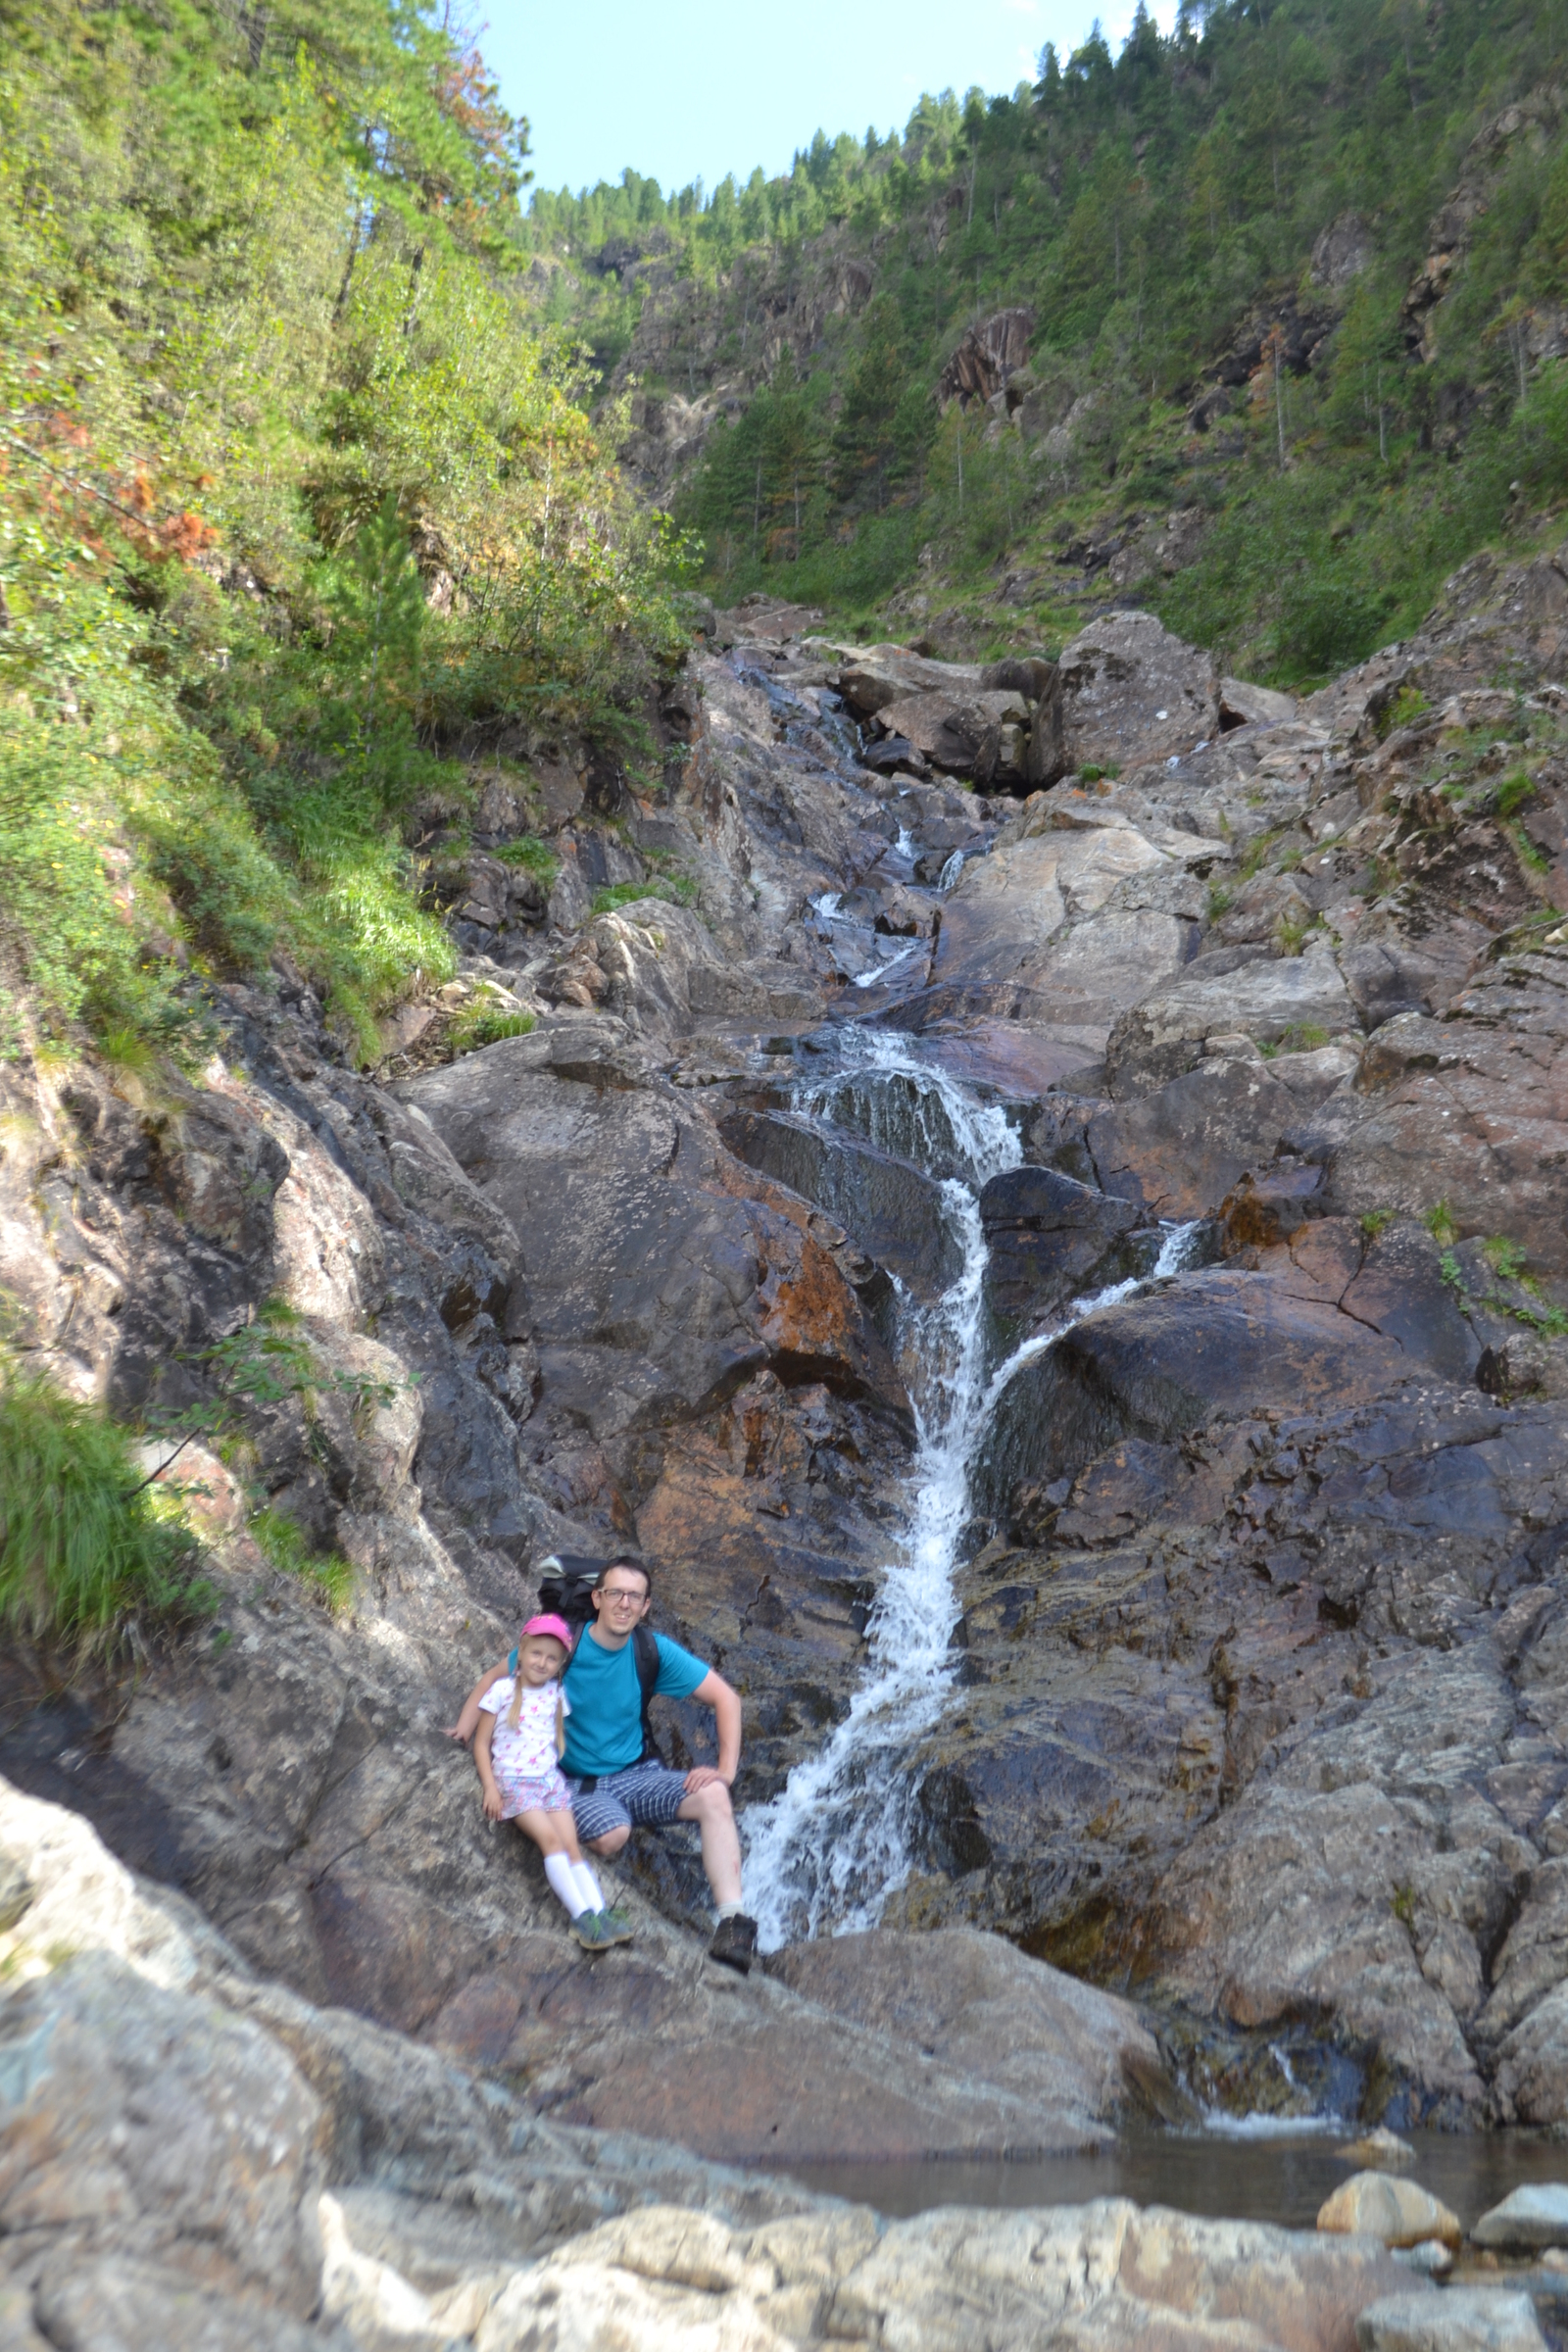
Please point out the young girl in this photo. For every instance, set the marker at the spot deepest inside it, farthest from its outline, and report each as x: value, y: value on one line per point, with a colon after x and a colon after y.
x: 520, y: 1737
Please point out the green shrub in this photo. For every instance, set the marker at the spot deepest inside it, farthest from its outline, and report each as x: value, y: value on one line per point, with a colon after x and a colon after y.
x: 1505, y: 1258
x: 1302, y: 1037
x: 532, y: 853
x: 1513, y: 792
x: 482, y: 1028
x: 285, y: 1545
x: 1407, y: 708
x: 85, y: 1543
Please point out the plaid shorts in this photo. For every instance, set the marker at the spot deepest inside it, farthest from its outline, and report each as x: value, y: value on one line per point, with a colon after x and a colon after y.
x: 650, y: 1794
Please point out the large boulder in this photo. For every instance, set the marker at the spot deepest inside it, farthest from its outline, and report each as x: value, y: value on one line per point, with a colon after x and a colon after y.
x: 1206, y: 1345
x: 1469, y: 1110
x: 981, y: 734
x: 877, y: 675
x: 649, y: 1280
x: 1400, y: 2213
x: 1463, y: 2318
x: 1530, y: 2217
x: 894, y: 1211
x: 979, y: 2006
x: 1005, y: 946
x: 1165, y: 1033
x: 1179, y: 1151
x: 1132, y: 693
x: 1050, y: 1238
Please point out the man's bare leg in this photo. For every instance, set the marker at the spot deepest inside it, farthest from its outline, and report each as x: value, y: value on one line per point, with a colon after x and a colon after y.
x: 715, y: 1817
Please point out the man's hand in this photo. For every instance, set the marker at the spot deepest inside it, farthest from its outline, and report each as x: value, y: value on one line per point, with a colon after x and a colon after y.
x: 492, y: 1801
x: 705, y: 1777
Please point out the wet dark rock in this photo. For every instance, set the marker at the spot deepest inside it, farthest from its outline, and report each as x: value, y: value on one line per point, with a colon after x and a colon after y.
x: 1204, y: 1346
x: 893, y: 754
x: 892, y: 1208
x: 1050, y: 1239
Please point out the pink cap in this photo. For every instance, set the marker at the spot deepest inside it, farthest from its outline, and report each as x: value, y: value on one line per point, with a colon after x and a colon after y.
x: 556, y: 1627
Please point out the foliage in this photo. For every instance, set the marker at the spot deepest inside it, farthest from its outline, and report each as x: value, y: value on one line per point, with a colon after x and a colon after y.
x: 533, y: 856
x: 676, y: 890
x: 1155, y: 209
x: 292, y: 489
x: 85, y: 1545
x: 1438, y: 1222
x: 269, y: 1359
x: 482, y: 1028
x: 285, y: 1545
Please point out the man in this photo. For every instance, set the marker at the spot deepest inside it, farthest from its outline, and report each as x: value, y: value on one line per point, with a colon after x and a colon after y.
x: 615, y: 1787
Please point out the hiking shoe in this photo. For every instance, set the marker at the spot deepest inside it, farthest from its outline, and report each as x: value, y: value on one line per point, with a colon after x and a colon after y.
x: 617, y: 1920
x: 735, y: 1943
x: 591, y: 1933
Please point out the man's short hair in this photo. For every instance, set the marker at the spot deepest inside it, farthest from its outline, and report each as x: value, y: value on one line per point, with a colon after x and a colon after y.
x: 637, y: 1567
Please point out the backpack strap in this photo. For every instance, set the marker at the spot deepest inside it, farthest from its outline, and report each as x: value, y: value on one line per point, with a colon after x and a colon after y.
x: 644, y: 1649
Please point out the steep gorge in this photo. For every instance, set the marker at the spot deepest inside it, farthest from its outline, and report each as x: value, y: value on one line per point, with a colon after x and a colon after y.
x: 1063, y: 1284
x: 1198, y: 1582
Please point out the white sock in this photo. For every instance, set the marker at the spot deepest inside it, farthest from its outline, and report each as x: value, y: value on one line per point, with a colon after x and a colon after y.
x: 563, y: 1878
x: 589, y: 1892
x: 731, y: 1911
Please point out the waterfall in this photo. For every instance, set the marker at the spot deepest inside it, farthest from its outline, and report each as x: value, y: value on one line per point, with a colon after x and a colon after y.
x: 826, y: 1854
x: 833, y: 1844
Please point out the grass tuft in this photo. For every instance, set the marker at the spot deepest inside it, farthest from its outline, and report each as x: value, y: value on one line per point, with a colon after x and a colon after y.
x: 674, y: 889
x: 533, y: 856
x: 287, y: 1547
x: 1505, y: 1258
x: 1438, y: 1222
x: 482, y: 1028
x: 85, y: 1545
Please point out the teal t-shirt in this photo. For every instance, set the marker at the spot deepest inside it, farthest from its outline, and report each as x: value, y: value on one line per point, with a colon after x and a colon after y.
x: 605, y: 1729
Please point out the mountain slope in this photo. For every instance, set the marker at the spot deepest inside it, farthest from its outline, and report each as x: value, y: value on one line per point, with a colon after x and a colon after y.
x: 1293, y: 277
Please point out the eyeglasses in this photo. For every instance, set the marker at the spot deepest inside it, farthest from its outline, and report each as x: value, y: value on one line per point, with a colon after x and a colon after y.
x: 617, y: 1597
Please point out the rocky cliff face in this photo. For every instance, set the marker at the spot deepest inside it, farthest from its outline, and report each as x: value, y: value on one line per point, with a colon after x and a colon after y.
x: 1245, y: 1651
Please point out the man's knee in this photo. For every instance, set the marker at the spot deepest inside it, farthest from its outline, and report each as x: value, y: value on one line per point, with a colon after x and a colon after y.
x: 709, y: 1804
x: 610, y: 1842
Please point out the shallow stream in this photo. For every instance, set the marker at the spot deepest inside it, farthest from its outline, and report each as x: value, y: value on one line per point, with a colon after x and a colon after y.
x: 1246, y: 2175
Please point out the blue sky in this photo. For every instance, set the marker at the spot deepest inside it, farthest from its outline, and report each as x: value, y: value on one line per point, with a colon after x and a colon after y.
x: 687, y: 88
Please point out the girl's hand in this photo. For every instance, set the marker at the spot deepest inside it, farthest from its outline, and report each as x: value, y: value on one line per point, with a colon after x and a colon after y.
x: 492, y: 1801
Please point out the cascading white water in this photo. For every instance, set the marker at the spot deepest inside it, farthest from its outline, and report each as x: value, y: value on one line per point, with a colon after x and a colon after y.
x: 1173, y: 1253
x: 831, y: 1847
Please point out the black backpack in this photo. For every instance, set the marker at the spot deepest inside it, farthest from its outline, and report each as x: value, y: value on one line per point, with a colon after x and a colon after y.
x: 567, y: 1596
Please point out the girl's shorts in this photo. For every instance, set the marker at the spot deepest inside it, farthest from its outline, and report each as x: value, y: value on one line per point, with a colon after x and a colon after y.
x: 548, y: 1793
